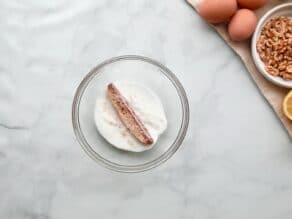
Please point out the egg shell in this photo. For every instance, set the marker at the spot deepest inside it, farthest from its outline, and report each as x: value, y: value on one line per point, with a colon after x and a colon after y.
x: 242, y: 25
x: 217, y: 11
x: 251, y: 4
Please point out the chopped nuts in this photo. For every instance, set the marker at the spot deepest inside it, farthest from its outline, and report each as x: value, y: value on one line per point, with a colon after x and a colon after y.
x: 275, y: 47
x: 289, y: 69
x: 273, y: 71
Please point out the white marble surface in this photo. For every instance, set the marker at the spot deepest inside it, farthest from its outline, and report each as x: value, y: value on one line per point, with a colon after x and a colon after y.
x: 235, y: 162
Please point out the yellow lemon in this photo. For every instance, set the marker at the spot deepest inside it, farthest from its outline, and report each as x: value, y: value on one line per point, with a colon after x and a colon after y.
x: 287, y: 105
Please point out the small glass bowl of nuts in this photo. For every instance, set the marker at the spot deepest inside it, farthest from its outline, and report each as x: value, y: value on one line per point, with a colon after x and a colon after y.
x: 272, y: 45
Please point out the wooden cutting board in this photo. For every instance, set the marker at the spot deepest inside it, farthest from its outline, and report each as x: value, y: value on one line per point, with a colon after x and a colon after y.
x: 273, y: 94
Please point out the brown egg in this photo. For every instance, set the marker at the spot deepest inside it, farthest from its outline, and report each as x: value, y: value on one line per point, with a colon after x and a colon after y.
x: 216, y: 11
x: 242, y: 25
x: 251, y: 4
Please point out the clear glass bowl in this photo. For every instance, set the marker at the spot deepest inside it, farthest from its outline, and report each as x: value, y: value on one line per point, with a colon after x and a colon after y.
x: 153, y: 75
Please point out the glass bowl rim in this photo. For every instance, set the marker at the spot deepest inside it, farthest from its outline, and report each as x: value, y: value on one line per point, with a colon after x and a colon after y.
x: 140, y: 167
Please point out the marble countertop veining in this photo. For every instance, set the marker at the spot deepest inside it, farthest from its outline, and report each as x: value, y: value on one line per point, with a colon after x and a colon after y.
x: 235, y: 162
